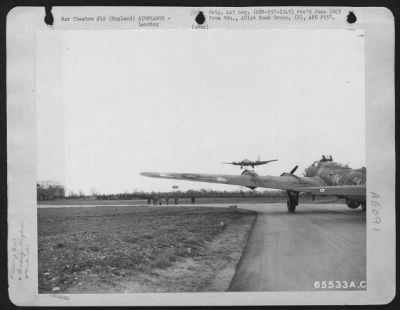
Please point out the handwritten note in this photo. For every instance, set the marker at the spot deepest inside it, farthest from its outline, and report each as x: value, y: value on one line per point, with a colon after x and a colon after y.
x: 62, y: 297
x: 19, y: 256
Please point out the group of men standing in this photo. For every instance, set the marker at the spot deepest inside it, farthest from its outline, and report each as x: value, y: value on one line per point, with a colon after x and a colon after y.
x: 158, y: 200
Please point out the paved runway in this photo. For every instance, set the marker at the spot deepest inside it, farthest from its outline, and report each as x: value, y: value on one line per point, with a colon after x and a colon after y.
x: 287, y: 252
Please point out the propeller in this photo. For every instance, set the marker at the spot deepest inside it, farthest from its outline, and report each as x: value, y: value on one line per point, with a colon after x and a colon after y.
x: 291, y: 171
x: 294, y: 169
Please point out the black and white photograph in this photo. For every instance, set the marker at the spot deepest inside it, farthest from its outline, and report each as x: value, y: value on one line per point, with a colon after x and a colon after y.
x: 210, y: 150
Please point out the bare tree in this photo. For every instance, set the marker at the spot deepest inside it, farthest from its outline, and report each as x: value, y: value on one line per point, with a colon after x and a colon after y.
x: 49, y: 190
x: 81, y: 193
x: 93, y: 192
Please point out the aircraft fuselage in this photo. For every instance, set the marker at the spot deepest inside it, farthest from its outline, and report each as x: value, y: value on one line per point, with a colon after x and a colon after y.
x: 335, y: 174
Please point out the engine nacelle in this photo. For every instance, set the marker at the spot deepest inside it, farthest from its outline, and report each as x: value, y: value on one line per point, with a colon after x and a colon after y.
x: 251, y: 173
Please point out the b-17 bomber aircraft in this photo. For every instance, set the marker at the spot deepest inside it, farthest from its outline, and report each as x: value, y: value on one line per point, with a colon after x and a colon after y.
x: 324, y: 177
x: 251, y: 163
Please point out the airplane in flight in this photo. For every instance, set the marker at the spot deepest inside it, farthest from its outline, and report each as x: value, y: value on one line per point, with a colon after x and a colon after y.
x: 251, y: 163
x: 324, y: 177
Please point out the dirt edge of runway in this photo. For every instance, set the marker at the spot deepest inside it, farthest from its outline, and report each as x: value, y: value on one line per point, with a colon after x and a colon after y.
x: 225, y: 275
x: 243, y: 251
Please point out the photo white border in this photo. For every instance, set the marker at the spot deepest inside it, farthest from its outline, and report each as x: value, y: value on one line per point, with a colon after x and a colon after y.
x: 22, y: 25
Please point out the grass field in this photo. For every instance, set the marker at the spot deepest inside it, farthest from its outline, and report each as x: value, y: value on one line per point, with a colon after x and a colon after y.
x: 138, y: 249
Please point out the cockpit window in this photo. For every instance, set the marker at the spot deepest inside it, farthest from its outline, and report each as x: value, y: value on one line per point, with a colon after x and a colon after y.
x: 315, y: 164
x: 340, y: 165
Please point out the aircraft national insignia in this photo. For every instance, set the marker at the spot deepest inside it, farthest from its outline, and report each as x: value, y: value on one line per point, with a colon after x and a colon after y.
x: 165, y: 175
x: 190, y: 176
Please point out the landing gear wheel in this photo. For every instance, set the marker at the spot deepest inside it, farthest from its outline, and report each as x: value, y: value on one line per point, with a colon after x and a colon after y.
x: 292, y: 201
x: 291, y: 206
x: 352, y: 204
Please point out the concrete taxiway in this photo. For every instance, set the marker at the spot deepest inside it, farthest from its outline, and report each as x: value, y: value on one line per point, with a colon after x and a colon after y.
x: 289, y: 252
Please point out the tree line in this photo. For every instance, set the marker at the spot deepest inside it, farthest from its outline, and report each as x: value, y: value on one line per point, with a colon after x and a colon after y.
x: 57, y: 191
x: 49, y: 191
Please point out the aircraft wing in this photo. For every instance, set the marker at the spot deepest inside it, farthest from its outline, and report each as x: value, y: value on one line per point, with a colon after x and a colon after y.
x: 357, y: 192
x: 286, y: 182
x: 265, y: 162
x: 311, y: 185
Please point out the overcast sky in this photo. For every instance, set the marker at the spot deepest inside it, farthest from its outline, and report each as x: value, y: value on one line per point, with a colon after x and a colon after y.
x: 113, y: 104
